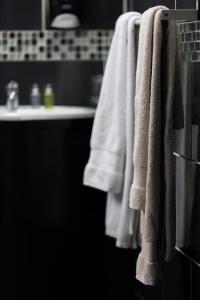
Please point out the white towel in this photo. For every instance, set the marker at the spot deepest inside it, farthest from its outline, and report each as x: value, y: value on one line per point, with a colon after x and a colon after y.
x: 129, y: 236
x: 109, y: 168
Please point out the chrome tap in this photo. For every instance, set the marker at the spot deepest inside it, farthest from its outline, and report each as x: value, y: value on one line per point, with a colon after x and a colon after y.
x: 12, y: 96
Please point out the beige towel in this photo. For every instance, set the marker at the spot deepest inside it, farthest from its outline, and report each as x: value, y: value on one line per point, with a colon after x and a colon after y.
x: 142, y: 108
x: 145, y: 192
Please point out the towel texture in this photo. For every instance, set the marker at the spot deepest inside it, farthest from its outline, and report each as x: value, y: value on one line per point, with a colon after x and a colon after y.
x: 173, y: 92
x: 145, y: 191
x: 109, y: 167
x: 128, y: 229
x: 142, y: 109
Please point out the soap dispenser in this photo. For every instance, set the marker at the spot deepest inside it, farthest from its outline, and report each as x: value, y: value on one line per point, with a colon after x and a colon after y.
x: 64, y: 14
x: 35, y: 96
x: 49, y: 96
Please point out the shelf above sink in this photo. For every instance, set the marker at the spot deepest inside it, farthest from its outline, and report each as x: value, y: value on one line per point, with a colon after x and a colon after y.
x: 28, y: 113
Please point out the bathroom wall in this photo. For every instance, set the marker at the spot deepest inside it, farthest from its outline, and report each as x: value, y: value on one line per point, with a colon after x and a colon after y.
x: 70, y: 59
x: 145, y: 4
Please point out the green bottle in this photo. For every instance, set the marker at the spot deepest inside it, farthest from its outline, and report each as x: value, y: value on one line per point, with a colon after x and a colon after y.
x: 48, y: 96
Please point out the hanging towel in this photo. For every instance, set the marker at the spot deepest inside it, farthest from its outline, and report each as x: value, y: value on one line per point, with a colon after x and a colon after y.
x: 128, y: 230
x: 174, y: 95
x: 145, y: 191
x: 109, y: 166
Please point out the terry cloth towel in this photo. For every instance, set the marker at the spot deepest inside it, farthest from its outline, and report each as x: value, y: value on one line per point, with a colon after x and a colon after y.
x: 128, y: 230
x: 145, y: 191
x: 173, y: 92
x: 107, y: 166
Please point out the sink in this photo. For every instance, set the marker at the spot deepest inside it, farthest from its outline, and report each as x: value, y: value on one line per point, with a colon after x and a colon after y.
x: 28, y: 113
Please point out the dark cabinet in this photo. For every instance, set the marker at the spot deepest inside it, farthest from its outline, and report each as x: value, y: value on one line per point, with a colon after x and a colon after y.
x: 195, y: 282
x: 196, y: 113
x: 187, y: 147
x: 51, y: 226
x: 177, y: 279
x: 188, y: 207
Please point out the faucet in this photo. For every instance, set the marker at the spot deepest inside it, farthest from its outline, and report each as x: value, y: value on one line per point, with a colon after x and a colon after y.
x: 12, y: 96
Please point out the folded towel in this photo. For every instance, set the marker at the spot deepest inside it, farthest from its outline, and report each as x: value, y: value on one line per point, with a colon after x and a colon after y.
x: 109, y: 167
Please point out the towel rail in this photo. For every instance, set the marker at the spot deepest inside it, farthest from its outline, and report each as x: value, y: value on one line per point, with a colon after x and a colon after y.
x: 137, y: 22
x: 180, y: 14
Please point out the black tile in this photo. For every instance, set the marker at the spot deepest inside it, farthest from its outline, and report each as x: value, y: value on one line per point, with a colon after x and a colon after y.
x: 12, y: 49
x: 12, y: 35
x: 49, y: 41
x: 63, y: 41
x: 34, y: 42
x: 49, y: 55
x: 41, y: 34
x: 78, y: 48
x: 56, y: 48
x: 41, y: 49
x: 92, y: 56
x: 26, y: 56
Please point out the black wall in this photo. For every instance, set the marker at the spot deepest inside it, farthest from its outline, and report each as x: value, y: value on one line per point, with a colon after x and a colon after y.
x: 145, y: 4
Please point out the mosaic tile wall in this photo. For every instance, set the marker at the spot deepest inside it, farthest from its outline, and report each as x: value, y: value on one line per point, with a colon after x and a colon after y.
x: 189, y: 41
x: 82, y: 45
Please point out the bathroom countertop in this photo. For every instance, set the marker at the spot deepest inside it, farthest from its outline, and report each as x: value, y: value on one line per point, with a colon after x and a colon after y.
x: 27, y: 113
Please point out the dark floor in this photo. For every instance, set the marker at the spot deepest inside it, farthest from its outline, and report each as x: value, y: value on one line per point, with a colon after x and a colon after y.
x: 52, y: 227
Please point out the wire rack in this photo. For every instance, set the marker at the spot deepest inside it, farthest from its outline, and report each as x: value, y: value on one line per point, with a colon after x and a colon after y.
x: 189, y: 41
